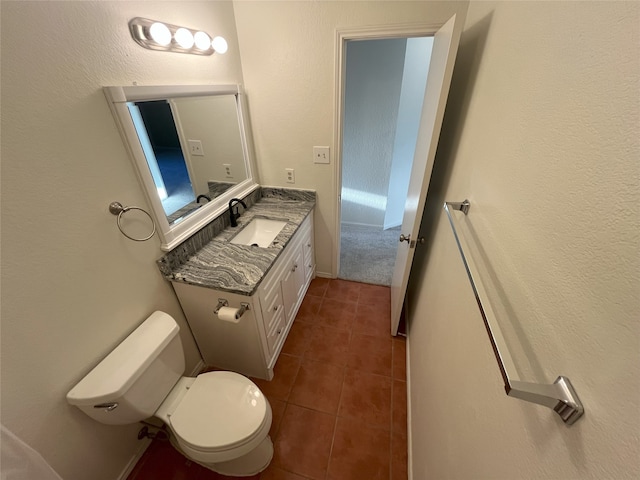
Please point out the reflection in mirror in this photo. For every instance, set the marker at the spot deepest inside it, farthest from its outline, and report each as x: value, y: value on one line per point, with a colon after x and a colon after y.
x: 190, y: 150
x: 159, y: 139
x: 192, y: 147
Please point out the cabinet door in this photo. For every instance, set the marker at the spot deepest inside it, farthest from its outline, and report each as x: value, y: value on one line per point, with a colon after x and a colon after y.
x: 293, y: 283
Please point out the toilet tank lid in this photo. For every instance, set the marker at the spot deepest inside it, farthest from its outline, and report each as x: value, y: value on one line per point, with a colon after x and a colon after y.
x: 114, y: 375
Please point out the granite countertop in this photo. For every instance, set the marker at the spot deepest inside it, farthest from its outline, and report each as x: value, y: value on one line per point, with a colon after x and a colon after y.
x: 221, y: 265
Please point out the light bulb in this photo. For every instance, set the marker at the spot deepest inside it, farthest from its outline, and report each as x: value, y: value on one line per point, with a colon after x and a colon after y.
x: 219, y: 44
x: 160, y: 34
x: 184, y: 38
x: 203, y: 41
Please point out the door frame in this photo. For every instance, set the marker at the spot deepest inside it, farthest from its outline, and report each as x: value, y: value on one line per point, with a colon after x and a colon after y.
x: 380, y: 32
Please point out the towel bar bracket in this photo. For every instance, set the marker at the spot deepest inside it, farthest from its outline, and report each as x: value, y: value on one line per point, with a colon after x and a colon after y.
x: 462, y: 206
x: 559, y: 396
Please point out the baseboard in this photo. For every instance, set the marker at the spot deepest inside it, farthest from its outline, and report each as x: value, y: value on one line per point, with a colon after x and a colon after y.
x: 361, y: 224
x: 144, y: 444
x: 324, y: 275
x: 409, y: 442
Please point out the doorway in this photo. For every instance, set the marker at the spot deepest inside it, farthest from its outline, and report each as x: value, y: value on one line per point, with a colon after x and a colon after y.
x: 384, y: 85
x: 446, y: 38
x: 154, y: 122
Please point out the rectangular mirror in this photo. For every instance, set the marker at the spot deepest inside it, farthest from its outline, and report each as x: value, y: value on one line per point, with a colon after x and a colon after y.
x: 190, y: 150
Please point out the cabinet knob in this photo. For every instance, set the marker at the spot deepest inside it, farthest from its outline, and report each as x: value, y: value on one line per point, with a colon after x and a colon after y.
x: 275, y: 309
x: 279, y: 331
x: 309, y: 245
x: 295, y: 266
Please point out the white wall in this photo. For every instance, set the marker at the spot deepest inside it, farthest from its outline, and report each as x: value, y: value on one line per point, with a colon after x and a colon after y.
x: 414, y: 81
x: 373, y: 81
x: 288, y: 60
x: 72, y: 285
x: 542, y: 135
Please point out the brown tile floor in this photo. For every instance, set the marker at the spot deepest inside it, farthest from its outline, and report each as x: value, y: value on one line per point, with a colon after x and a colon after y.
x: 339, y: 395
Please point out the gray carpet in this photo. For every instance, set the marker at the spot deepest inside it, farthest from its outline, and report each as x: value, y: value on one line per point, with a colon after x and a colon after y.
x: 367, y: 254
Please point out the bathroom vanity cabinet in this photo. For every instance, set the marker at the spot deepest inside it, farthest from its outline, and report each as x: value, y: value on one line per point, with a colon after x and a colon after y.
x: 251, y: 345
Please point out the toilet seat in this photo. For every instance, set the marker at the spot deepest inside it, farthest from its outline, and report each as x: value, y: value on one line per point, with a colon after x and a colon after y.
x: 221, y: 411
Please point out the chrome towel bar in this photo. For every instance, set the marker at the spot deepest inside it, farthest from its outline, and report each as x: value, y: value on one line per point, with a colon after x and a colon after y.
x: 559, y: 396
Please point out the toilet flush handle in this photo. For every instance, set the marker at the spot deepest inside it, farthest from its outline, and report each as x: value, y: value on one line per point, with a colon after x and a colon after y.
x: 107, y: 406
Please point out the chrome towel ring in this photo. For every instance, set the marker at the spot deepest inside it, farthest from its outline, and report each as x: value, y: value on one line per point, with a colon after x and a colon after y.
x: 116, y: 208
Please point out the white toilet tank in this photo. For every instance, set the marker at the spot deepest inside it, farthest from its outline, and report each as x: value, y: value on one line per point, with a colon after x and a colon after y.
x: 132, y: 381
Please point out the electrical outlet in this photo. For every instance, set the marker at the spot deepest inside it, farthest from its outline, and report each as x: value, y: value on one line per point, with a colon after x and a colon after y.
x: 227, y: 170
x: 195, y: 147
x: 291, y: 175
x: 321, y: 155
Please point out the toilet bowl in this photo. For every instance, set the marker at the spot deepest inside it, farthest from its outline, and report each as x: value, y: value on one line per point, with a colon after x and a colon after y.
x: 219, y: 419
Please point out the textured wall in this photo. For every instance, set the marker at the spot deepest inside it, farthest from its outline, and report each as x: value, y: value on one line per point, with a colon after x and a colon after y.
x: 373, y: 81
x: 288, y: 63
x: 542, y: 135
x: 72, y: 285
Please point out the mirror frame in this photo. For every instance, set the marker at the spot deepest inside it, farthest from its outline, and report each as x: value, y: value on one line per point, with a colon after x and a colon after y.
x: 171, y: 235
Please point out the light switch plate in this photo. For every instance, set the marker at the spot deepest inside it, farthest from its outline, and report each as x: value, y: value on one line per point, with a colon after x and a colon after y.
x: 321, y: 155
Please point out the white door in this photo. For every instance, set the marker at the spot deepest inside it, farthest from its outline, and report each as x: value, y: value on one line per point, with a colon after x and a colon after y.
x: 445, y: 47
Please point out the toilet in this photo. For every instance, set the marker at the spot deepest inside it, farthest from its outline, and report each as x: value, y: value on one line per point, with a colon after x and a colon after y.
x: 219, y: 419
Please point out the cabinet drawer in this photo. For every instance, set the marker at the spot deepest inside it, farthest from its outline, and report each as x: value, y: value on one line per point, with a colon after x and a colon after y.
x: 308, y: 257
x: 277, y: 330
x: 307, y: 247
x: 273, y: 306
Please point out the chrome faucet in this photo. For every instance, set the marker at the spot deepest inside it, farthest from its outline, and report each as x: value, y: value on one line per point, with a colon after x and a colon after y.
x: 234, y: 215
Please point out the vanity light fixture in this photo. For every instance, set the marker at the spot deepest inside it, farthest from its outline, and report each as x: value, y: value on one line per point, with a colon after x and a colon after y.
x: 184, y: 38
x: 219, y: 44
x: 173, y: 38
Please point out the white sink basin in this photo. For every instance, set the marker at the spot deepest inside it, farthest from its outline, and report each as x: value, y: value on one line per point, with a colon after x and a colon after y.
x: 260, y: 232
